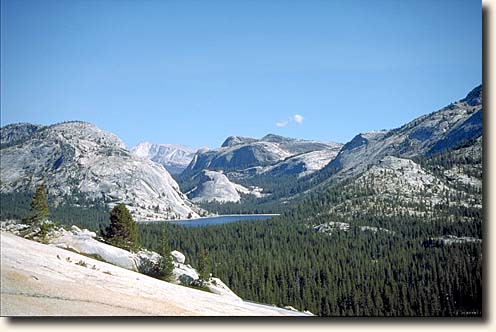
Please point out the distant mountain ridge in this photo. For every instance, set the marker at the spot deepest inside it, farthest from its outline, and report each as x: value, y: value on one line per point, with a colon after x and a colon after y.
x: 432, y: 133
x: 287, y: 171
x: 238, y: 153
x: 174, y: 157
x: 245, y: 159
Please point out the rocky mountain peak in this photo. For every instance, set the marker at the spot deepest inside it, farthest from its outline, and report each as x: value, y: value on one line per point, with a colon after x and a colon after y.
x: 79, y: 160
x: 446, y: 128
x: 17, y: 132
x: 235, y: 140
x: 474, y: 97
x: 83, y: 133
x: 276, y: 138
x: 363, y: 139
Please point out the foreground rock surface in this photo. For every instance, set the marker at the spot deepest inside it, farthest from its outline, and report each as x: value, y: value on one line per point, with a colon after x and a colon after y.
x: 42, y: 280
x: 84, y: 242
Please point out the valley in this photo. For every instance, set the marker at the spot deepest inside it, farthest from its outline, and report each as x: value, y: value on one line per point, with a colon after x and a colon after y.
x: 387, y: 224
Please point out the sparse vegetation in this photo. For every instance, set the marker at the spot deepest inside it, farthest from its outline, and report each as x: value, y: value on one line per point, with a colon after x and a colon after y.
x: 163, y: 269
x: 82, y: 263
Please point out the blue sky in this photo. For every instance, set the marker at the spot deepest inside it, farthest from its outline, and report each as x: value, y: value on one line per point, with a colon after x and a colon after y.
x: 195, y: 72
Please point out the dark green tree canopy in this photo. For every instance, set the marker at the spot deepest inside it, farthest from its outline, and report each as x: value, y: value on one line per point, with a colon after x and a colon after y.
x: 39, y: 205
x: 122, y: 231
x: 204, y: 266
x: 166, y: 264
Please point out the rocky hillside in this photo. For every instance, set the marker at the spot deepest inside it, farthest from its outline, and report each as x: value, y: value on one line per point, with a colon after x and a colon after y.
x: 303, y: 164
x: 239, y: 153
x: 42, y: 280
x: 452, y: 126
x: 77, y: 160
x: 396, y: 186
x: 215, y: 186
x: 245, y: 161
x: 175, y: 158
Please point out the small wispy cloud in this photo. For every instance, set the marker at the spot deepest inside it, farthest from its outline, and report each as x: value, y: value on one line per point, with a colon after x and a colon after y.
x: 297, y: 118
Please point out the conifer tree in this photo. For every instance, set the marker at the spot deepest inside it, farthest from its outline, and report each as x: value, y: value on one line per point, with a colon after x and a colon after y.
x: 122, y: 231
x: 39, y: 206
x: 166, y: 266
x: 204, y: 265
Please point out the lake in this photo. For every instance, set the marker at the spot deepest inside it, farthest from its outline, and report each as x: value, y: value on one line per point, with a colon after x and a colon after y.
x: 219, y: 220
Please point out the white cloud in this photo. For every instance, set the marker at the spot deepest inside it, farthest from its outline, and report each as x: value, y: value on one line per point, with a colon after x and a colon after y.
x: 294, y: 118
x: 298, y: 118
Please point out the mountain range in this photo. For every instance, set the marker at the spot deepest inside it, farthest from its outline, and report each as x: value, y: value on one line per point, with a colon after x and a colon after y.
x: 244, y: 161
x: 76, y: 159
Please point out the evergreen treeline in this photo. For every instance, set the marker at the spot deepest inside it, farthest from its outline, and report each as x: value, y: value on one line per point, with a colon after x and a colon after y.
x: 354, y: 273
x: 73, y: 210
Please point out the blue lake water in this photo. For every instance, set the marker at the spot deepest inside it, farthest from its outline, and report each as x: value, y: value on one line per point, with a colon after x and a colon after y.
x: 219, y: 220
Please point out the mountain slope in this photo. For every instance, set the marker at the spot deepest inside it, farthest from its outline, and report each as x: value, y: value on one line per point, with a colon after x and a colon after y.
x: 78, y: 160
x: 215, y: 186
x: 397, y: 186
x: 41, y: 280
x: 433, y: 133
x: 258, y: 163
x: 15, y: 133
x: 175, y: 158
x: 303, y: 164
x: 239, y: 153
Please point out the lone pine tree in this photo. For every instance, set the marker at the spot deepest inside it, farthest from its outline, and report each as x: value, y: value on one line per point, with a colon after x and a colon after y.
x: 122, y: 231
x: 39, y: 206
x: 204, y: 267
x: 166, y: 266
